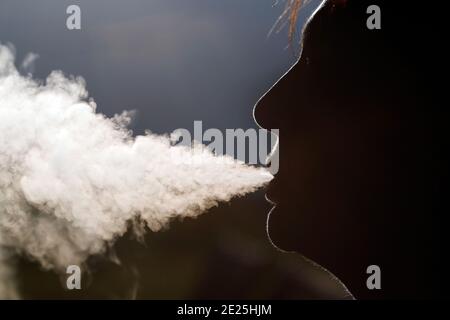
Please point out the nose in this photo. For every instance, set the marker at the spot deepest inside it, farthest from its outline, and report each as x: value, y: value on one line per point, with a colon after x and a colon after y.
x: 261, y: 114
x: 277, y: 106
x: 267, y: 108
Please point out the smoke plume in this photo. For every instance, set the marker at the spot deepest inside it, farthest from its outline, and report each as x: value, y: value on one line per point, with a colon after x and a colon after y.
x: 72, y: 180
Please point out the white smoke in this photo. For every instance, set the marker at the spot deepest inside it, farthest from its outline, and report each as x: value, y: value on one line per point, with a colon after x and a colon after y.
x: 28, y: 62
x: 72, y: 180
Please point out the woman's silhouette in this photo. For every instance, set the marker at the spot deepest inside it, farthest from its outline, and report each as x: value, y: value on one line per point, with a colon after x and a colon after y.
x: 352, y: 189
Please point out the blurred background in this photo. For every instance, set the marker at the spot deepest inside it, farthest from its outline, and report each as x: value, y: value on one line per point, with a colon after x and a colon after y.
x: 174, y: 62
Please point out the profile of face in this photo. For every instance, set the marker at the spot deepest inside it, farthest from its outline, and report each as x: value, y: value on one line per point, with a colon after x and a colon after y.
x: 349, y: 192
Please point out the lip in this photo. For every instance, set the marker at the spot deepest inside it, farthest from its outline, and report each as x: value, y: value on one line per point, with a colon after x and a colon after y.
x: 272, y: 191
